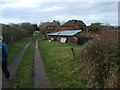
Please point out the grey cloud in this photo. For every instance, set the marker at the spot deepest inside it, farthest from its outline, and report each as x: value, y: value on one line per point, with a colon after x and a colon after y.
x: 106, y: 11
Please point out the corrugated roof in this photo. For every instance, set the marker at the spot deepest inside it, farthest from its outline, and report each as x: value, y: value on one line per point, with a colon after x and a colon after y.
x: 65, y: 33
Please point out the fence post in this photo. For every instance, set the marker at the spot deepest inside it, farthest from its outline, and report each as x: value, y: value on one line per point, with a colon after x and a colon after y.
x: 73, y: 52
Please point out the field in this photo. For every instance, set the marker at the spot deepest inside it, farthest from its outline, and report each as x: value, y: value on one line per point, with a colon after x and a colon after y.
x: 63, y: 69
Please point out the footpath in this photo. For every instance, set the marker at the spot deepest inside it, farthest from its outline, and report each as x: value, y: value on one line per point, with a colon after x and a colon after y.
x: 40, y: 79
x: 14, y: 67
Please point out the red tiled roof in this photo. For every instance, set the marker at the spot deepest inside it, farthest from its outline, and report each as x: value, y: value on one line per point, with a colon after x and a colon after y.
x: 74, y: 22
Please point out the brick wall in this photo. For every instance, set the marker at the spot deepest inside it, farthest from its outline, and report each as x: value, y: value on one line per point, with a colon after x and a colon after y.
x: 67, y: 28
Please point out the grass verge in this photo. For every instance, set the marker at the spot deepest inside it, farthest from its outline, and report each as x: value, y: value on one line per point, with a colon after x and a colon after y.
x: 64, y: 71
x: 23, y: 77
x: 16, y: 48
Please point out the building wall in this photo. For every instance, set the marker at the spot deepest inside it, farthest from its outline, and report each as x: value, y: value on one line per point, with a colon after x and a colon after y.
x: 78, y: 35
x: 70, y: 39
x: 76, y: 27
x: 82, y: 27
x: 67, y: 28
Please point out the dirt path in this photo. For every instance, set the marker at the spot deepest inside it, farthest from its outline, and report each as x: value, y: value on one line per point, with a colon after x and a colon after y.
x: 14, y: 66
x: 40, y: 79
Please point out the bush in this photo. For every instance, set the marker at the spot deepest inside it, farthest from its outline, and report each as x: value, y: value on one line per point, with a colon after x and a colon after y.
x: 101, y: 63
x: 17, y: 32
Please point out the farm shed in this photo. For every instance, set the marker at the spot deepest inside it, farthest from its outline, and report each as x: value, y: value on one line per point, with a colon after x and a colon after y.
x: 66, y: 36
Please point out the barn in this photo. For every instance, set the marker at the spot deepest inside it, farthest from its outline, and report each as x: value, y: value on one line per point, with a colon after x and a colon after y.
x: 65, y: 36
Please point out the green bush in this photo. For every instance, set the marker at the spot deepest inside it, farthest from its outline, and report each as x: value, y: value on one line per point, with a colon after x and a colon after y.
x: 17, y: 32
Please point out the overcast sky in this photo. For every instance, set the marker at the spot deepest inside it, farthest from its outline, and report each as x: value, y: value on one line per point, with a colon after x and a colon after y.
x: 35, y: 11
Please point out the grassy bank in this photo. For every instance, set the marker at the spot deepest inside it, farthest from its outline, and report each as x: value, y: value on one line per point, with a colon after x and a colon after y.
x: 63, y: 69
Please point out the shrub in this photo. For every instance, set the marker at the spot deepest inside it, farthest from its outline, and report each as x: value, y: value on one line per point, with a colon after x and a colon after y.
x: 17, y: 32
x: 101, y: 63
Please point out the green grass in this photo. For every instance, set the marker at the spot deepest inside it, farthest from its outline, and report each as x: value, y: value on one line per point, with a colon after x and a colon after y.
x: 64, y: 71
x: 24, y: 75
x: 17, y: 47
x: 25, y: 71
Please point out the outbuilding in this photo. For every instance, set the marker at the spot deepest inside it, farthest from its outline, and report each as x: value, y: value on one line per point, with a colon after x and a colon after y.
x: 66, y: 36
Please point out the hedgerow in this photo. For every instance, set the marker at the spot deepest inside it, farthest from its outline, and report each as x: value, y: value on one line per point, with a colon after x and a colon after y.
x: 101, y: 61
x: 13, y: 33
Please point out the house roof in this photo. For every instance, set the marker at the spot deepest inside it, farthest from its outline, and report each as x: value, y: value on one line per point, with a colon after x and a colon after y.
x: 44, y: 25
x: 65, y: 33
x: 51, y: 24
x: 74, y: 22
x: 54, y: 23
